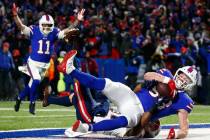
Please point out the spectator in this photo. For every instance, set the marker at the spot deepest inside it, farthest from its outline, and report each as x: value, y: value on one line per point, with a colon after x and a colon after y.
x: 113, y: 27
x: 16, y: 74
x: 6, y: 66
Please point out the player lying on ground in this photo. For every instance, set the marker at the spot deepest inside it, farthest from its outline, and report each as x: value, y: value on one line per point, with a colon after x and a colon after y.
x: 42, y: 39
x: 181, y: 105
x: 130, y: 105
x: 185, y: 78
x: 86, y: 114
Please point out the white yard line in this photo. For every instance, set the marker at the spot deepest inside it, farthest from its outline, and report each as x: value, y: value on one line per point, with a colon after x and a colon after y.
x: 35, y: 116
x: 43, y: 110
x: 31, y: 129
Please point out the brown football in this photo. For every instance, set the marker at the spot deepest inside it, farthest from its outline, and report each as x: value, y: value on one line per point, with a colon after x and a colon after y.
x: 163, y: 89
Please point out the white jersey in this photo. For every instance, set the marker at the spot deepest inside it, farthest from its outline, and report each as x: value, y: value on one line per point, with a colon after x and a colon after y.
x: 125, y: 99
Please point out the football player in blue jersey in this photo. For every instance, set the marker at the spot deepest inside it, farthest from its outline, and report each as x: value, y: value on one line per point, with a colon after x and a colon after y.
x: 185, y: 78
x: 181, y: 104
x: 130, y: 105
x: 42, y: 39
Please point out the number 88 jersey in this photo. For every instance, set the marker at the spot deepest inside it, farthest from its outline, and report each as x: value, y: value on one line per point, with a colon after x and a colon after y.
x: 42, y: 46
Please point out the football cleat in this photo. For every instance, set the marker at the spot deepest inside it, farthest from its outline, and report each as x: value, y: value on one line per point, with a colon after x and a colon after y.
x: 70, y: 133
x: 80, y: 127
x: 17, y: 105
x: 67, y: 65
x: 32, y: 108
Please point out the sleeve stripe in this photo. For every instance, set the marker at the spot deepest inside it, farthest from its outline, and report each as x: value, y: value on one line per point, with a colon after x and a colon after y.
x: 189, y: 107
x: 31, y: 29
x: 161, y: 70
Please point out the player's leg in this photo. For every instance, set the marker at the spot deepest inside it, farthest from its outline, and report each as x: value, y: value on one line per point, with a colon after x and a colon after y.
x: 66, y: 66
x: 62, y: 101
x: 118, y: 93
x: 104, y: 125
x: 33, y: 84
x: 33, y: 95
x: 20, y: 97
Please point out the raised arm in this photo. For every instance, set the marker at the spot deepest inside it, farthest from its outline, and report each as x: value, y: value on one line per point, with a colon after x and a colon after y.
x: 80, y: 17
x: 24, y: 29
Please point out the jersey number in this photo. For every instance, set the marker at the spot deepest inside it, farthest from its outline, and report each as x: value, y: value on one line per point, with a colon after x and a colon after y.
x: 40, y: 51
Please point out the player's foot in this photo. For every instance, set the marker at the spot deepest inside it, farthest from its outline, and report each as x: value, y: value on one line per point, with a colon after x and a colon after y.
x: 17, y: 105
x: 71, y: 134
x: 80, y: 127
x: 32, y: 108
x: 67, y: 66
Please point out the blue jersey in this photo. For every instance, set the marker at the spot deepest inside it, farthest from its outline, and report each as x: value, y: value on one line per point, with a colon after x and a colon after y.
x: 181, y: 101
x: 42, y: 46
x: 147, y: 97
x: 168, y: 107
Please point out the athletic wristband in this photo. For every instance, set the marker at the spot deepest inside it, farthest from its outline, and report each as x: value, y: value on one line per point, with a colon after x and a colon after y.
x: 166, y: 80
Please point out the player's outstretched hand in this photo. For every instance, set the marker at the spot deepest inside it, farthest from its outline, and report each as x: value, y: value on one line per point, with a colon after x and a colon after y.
x: 80, y: 15
x: 14, y: 9
x: 171, y: 134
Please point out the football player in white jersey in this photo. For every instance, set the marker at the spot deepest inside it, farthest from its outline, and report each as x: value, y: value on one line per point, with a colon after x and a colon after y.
x: 131, y: 105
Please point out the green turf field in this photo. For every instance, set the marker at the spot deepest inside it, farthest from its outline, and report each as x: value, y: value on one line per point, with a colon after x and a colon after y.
x: 62, y: 117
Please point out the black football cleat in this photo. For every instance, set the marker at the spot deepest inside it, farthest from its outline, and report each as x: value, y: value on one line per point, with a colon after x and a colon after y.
x: 32, y: 108
x: 17, y: 105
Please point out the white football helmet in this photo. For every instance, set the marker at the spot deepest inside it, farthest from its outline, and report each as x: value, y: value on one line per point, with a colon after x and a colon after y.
x: 46, y: 24
x: 191, y: 74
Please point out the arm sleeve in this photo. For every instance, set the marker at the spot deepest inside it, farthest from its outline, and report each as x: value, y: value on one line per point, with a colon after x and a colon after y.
x: 28, y: 31
x: 185, y: 102
x: 61, y: 34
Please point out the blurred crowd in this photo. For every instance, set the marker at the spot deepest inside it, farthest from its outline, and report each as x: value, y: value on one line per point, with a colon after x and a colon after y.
x: 146, y: 34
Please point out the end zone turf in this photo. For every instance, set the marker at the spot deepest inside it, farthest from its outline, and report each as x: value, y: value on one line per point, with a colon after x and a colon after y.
x: 197, y: 131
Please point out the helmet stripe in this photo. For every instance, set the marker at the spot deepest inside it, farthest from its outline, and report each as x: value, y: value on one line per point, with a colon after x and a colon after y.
x: 47, y: 17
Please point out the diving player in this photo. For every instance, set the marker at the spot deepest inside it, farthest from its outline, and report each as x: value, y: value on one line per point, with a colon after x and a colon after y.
x: 181, y: 105
x: 185, y: 78
x: 42, y: 39
x: 130, y: 105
